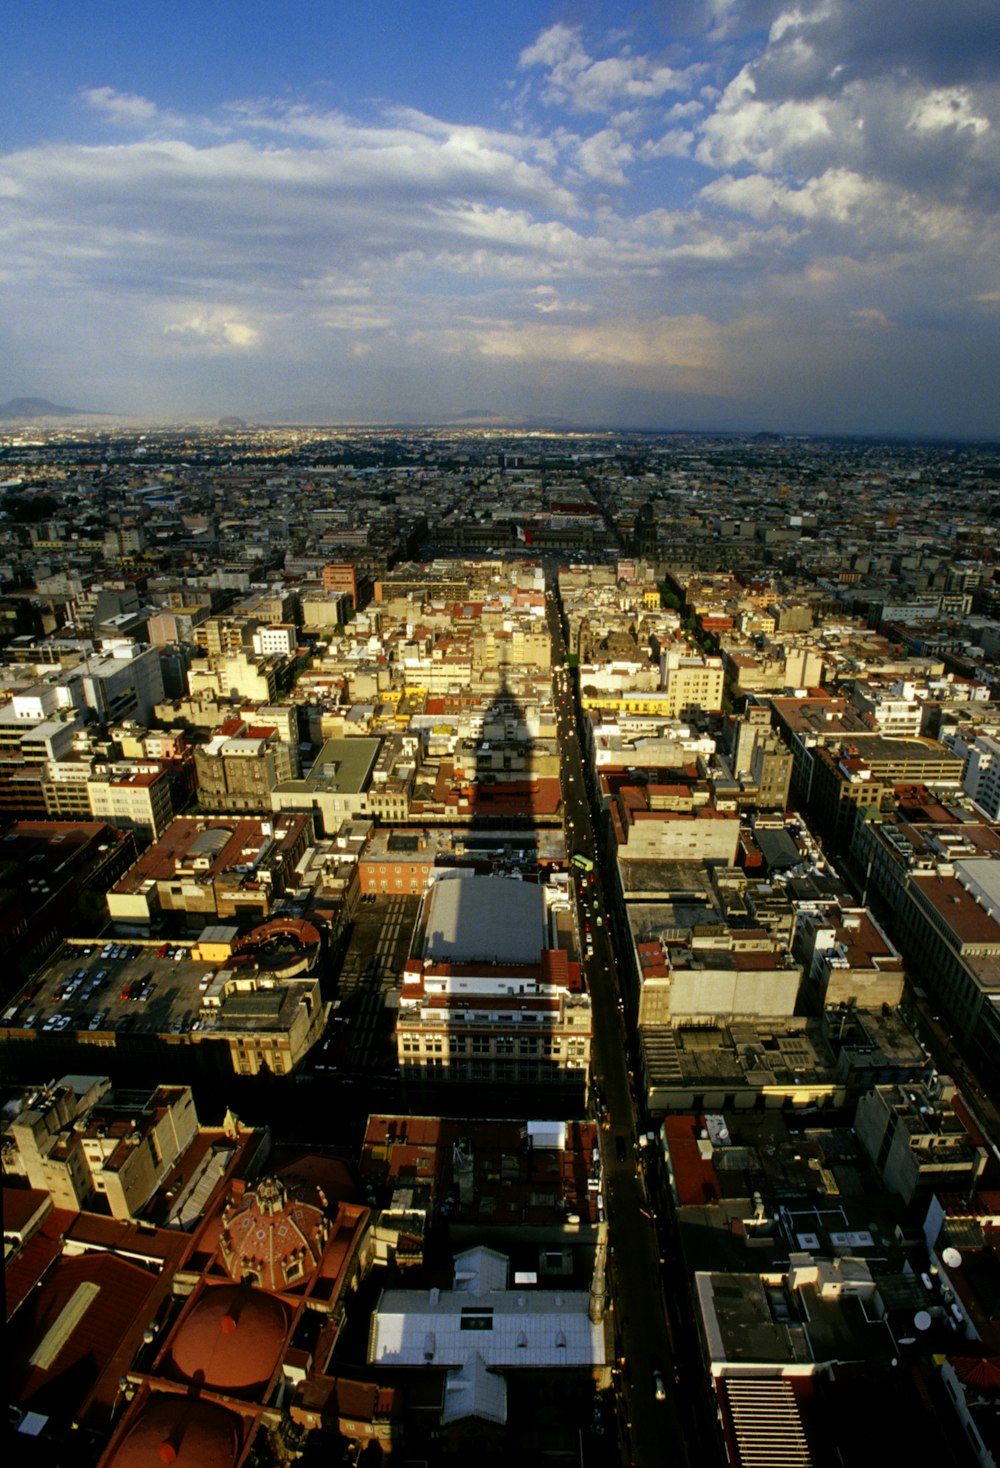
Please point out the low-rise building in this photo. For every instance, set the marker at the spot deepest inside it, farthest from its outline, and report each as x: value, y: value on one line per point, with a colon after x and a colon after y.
x: 917, y: 1140
x: 209, y: 869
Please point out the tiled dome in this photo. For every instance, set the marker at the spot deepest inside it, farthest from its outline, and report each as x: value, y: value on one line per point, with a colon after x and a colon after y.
x: 272, y: 1238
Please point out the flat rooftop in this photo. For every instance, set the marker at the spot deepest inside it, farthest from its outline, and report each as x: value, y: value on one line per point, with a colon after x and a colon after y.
x: 493, y: 919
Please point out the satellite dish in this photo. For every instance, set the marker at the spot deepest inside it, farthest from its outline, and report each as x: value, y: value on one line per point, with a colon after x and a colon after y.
x: 952, y: 1258
x: 922, y: 1320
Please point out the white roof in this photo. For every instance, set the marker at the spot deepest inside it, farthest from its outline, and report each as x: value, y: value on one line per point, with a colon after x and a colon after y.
x: 475, y: 1391
x: 505, y: 1328
x: 473, y: 919
x: 480, y: 1271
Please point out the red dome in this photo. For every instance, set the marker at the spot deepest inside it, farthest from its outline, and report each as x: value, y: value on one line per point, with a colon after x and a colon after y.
x: 182, y: 1431
x: 274, y: 1237
x: 231, y: 1341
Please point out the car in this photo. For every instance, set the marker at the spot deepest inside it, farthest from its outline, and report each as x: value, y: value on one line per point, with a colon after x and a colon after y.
x: 50, y: 1023
x: 621, y: 1152
x: 659, y: 1386
x: 97, y: 1020
x: 126, y: 992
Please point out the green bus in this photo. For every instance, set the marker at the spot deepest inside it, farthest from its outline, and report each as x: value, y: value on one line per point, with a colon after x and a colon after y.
x: 583, y: 862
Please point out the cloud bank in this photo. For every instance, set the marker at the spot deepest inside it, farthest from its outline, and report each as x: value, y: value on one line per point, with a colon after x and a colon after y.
x: 788, y: 209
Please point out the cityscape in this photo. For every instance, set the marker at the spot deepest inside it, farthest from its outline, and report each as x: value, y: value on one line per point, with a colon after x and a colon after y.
x: 500, y: 734
x: 500, y: 935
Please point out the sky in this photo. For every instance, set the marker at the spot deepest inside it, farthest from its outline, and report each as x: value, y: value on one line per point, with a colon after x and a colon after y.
x: 755, y: 215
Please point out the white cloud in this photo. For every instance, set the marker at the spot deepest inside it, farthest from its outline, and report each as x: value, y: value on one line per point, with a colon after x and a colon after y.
x: 126, y: 109
x: 584, y: 83
x: 603, y: 156
x: 682, y: 348
x: 946, y: 108
x: 839, y: 195
x: 213, y: 330
x: 548, y: 302
x: 766, y: 135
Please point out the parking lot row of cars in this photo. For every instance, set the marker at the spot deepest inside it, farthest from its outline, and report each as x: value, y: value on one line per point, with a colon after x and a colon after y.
x: 80, y: 986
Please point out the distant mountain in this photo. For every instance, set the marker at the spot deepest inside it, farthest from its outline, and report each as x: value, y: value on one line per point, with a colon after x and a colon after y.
x: 318, y: 416
x: 40, y: 408
x: 478, y: 415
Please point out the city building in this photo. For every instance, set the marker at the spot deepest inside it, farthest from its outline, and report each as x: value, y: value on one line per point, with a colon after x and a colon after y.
x: 77, y: 1139
x: 918, y: 1141
x: 491, y: 993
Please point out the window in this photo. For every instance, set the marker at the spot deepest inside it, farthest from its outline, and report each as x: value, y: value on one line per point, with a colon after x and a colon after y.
x: 476, y: 1318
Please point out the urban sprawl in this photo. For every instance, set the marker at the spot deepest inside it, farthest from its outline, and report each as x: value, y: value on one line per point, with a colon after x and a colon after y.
x: 502, y: 947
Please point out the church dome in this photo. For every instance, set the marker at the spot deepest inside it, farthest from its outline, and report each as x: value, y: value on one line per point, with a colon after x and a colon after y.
x: 273, y: 1237
x: 231, y: 1341
x: 180, y: 1431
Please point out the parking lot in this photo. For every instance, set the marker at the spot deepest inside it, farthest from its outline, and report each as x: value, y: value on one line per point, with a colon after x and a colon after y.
x: 113, y: 986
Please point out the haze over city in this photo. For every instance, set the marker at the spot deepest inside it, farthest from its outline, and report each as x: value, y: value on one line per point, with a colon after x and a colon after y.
x: 723, y: 214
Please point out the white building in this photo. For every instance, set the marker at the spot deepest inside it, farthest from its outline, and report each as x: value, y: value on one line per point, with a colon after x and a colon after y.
x: 982, y: 775
x: 479, y: 1330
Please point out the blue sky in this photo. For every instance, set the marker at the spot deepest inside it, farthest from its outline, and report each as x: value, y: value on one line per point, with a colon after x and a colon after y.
x: 702, y: 213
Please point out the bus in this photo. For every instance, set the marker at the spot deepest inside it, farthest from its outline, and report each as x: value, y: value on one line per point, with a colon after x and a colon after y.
x: 583, y: 862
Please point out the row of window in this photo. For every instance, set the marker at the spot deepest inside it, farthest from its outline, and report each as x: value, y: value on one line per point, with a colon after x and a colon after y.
x: 493, y: 1045
x: 486, y: 1069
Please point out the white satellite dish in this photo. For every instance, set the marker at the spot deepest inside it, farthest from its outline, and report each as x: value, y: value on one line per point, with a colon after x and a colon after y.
x: 922, y: 1320
x: 951, y: 1258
